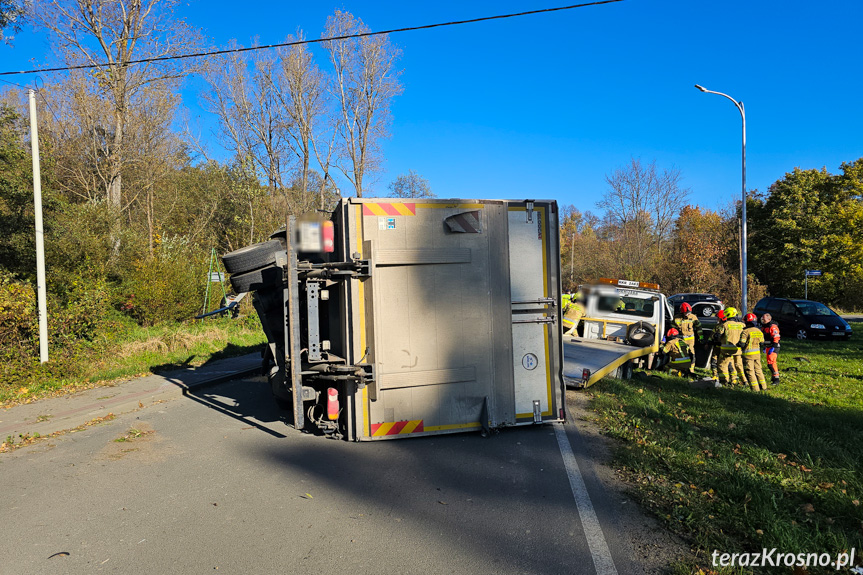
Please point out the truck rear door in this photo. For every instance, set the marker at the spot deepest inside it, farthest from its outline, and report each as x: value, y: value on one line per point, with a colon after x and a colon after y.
x: 457, y: 341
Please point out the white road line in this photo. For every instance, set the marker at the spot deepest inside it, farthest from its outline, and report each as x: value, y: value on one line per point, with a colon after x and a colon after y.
x: 592, y: 530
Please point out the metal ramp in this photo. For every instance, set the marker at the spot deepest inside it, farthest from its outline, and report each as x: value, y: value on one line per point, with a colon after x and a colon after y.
x: 586, y: 361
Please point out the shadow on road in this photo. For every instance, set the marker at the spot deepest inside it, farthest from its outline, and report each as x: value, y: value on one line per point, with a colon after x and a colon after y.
x: 229, y: 351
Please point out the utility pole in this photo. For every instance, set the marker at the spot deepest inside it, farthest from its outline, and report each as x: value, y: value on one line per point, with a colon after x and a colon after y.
x: 40, y: 233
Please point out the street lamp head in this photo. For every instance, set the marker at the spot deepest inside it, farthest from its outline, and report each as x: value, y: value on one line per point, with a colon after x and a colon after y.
x: 702, y: 88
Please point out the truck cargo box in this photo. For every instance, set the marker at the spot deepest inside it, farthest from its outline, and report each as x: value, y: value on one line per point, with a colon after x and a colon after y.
x: 427, y: 317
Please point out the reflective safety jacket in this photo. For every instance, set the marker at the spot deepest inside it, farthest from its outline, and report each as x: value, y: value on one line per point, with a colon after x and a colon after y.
x: 677, y: 351
x: 729, y: 335
x: 750, y: 341
x: 771, y: 334
x: 689, y: 327
x: 572, y: 313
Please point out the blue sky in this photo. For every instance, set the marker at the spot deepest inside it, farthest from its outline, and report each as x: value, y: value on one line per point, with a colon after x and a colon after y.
x: 545, y: 106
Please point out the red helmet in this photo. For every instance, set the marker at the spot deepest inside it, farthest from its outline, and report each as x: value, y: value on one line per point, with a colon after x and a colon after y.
x: 685, y: 307
x: 673, y: 332
x: 721, y: 314
x: 750, y: 318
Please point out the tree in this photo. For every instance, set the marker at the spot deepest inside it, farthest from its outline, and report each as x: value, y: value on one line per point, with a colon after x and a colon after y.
x: 701, y: 242
x: 11, y: 13
x: 111, y: 34
x: 364, y: 82
x: 301, y: 90
x: 410, y: 185
x: 640, y: 206
x: 17, y: 245
x: 252, y: 118
x: 810, y: 219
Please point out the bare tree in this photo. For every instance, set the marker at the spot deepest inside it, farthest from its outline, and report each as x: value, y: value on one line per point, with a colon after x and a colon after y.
x: 410, y: 185
x: 251, y: 116
x: 644, y: 201
x: 364, y: 82
x: 300, y: 88
x: 111, y: 34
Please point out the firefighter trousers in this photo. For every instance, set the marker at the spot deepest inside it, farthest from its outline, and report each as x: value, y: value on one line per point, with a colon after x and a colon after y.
x: 732, y: 362
x: 754, y: 372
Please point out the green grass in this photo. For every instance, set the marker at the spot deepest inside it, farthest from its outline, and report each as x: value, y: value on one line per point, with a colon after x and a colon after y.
x: 128, y: 350
x: 733, y: 470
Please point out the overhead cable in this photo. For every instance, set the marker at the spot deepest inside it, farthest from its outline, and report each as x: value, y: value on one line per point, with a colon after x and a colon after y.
x: 312, y: 41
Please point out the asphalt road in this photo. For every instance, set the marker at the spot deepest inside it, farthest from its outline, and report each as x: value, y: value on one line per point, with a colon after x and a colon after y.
x: 217, y: 482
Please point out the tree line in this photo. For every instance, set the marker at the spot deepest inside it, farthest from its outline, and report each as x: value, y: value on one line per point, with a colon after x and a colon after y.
x: 808, y: 220
x: 134, y: 201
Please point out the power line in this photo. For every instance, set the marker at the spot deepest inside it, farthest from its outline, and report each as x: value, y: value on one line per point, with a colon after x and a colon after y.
x: 316, y: 40
x: 14, y: 84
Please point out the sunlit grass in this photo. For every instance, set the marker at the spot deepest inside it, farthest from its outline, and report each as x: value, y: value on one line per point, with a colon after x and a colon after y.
x: 736, y: 471
x: 128, y: 351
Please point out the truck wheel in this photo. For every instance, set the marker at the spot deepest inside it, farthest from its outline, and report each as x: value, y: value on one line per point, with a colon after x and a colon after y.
x: 641, y: 334
x: 252, y: 257
x: 255, y: 280
x: 624, y: 371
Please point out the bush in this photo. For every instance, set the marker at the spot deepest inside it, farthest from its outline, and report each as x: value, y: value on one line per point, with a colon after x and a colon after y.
x: 19, y: 319
x: 80, y: 313
x: 168, y: 286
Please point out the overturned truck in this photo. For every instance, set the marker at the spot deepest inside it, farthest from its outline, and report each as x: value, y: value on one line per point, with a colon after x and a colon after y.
x: 399, y: 318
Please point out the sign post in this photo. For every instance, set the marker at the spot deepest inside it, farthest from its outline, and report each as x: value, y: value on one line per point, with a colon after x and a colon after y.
x: 813, y: 273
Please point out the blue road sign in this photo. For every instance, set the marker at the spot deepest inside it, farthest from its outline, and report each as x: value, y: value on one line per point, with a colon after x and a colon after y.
x: 813, y: 272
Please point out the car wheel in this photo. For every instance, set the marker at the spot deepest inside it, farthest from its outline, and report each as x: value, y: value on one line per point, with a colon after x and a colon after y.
x: 802, y: 334
x: 707, y: 311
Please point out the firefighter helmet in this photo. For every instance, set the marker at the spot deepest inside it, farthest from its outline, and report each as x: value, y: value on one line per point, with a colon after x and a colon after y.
x: 685, y: 307
x: 750, y: 318
x: 730, y: 312
x: 672, y: 332
x: 721, y: 315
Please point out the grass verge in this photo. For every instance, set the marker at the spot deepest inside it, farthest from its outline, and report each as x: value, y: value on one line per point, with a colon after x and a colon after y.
x: 128, y: 351
x: 735, y: 471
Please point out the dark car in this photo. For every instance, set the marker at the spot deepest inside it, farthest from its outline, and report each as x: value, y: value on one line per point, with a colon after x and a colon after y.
x: 803, y: 318
x: 694, y: 298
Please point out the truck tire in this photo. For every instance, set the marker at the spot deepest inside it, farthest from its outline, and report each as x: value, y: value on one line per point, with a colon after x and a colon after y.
x: 257, y: 279
x: 252, y: 257
x: 641, y: 334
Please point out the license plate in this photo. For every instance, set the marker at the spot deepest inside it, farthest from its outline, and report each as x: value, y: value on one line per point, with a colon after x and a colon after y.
x: 838, y: 333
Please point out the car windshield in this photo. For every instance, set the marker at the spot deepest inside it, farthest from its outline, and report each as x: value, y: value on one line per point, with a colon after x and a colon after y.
x: 813, y: 308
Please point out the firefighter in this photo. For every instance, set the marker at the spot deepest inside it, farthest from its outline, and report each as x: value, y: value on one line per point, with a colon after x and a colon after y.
x: 573, y: 311
x: 730, y: 356
x: 750, y: 343
x: 715, y: 346
x: 680, y: 358
x: 771, y: 345
x: 689, y: 326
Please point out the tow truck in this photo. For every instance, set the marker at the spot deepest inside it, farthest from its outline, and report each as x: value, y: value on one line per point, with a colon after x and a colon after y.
x: 622, y: 329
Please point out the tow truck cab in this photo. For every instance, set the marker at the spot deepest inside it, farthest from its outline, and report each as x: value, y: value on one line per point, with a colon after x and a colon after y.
x: 623, y: 326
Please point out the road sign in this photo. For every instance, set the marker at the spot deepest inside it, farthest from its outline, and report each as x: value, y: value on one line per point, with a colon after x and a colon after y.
x: 813, y: 272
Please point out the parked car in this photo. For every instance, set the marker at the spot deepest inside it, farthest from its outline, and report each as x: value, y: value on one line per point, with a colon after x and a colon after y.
x: 696, y: 298
x: 803, y: 318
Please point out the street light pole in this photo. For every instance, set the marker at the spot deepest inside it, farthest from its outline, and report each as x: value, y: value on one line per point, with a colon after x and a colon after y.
x: 743, y: 271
